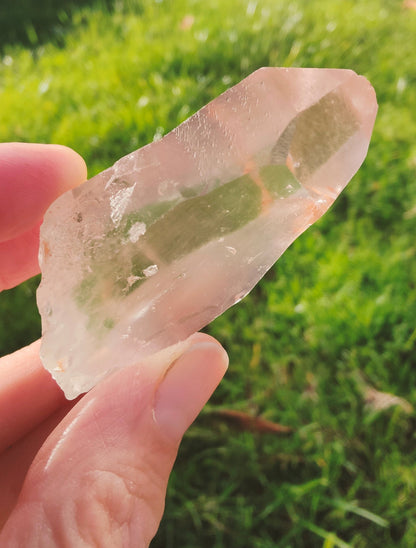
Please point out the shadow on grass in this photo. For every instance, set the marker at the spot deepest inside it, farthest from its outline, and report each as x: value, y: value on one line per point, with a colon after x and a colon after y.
x: 32, y: 23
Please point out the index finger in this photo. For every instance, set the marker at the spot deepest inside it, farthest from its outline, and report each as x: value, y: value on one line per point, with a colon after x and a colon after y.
x: 32, y: 176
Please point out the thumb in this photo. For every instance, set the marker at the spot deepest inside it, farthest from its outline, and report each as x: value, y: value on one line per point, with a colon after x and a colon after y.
x: 100, y: 479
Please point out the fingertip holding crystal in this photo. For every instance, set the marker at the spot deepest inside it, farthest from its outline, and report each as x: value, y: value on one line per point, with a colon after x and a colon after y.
x: 155, y: 247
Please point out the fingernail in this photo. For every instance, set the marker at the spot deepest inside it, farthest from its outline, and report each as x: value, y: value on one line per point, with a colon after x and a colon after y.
x: 188, y: 385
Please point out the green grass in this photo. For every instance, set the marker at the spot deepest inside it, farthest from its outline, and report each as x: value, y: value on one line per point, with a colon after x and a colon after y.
x: 335, y: 316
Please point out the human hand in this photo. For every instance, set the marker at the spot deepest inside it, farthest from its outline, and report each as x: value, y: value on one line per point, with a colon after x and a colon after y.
x: 92, y: 472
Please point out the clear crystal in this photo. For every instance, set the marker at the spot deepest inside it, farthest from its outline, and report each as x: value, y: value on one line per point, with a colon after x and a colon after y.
x: 152, y: 249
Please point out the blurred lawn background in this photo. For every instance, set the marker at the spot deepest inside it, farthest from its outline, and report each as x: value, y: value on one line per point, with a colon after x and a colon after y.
x: 325, y: 344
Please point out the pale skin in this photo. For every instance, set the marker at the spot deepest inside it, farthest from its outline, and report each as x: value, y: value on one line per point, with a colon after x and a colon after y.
x: 94, y: 471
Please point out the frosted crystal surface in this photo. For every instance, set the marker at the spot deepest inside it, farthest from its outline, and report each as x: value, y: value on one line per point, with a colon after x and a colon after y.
x: 155, y: 247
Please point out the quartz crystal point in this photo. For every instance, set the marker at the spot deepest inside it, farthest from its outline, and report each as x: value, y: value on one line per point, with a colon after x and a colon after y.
x: 155, y: 247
